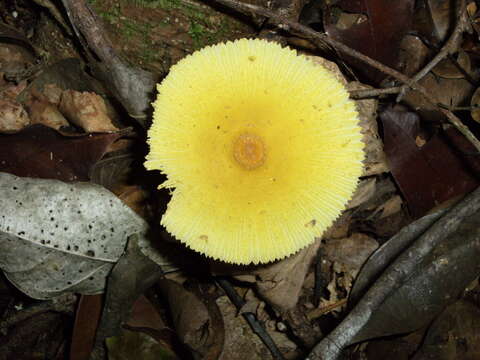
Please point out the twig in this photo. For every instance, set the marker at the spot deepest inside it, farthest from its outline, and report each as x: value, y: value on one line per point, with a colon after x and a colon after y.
x: 368, y: 93
x: 394, y: 276
x: 256, y: 326
x: 63, y: 304
x: 316, y: 313
x: 323, y: 39
x: 450, y: 47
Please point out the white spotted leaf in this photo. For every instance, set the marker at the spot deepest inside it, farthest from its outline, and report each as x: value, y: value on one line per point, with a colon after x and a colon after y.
x: 57, y: 237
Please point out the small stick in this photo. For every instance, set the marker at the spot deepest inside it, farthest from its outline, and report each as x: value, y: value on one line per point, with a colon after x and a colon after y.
x: 368, y: 93
x: 256, y: 326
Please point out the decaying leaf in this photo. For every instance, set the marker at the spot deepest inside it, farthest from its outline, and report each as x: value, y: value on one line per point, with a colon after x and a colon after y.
x: 455, y: 334
x: 87, y: 110
x: 41, y: 152
x: 13, y: 116
x: 430, y: 174
x: 373, y: 27
x: 43, y: 111
x: 190, y: 317
x: 58, y: 237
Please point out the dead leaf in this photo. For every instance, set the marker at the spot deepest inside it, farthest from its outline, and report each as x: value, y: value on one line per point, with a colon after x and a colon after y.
x: 240, y: 341
x: 429, y: 175
x: 280, y: 284
x: 365, y: 190
x: 88, y: 315
x: 449, y: 70
x: 87, y: 110
x: 13, y: 116
x: 190, y: 317
x: 41, y: 152
x: 42, y: 111
x: 59, y: 237
x: 351, y: 252
x: 455, y: 334
x: 145, y: 315
x: 374, y: 28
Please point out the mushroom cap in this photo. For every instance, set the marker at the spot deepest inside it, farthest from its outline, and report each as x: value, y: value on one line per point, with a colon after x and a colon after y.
x: 261, y: 148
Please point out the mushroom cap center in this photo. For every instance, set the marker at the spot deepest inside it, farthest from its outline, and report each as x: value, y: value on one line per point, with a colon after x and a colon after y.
x: 249, y: 151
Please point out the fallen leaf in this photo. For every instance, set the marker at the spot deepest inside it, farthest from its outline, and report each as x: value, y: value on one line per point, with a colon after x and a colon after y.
x: 86, y: 110
x: 429, y: 175
x: 86, y: 320
x: 59, y: 237
x: 41, y: 152
x: 42, y: 111
x: 455, y: 334
x: 372, y: 27
x: 13, y: 116
x: 365, y: 190
x: 190, y: 316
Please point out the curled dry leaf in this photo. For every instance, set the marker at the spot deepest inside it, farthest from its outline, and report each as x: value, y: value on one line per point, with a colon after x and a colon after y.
x: 58, y: 237
x: 42, y: 111
x: 87, y: 110
x: 13, y: 116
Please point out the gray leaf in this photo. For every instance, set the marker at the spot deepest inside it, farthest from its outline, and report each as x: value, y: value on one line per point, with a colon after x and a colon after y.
x: 57, y: 237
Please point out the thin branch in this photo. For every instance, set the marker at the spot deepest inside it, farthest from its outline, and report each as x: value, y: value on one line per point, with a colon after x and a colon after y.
x: 369, y: 93
x: 324, y: 40
x: 256, y: 326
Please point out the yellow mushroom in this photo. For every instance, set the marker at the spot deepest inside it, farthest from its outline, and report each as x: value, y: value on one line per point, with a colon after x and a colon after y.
x: 261, y: 148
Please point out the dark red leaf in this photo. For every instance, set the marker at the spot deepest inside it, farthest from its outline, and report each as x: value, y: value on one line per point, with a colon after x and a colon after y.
x: 373, y: 27
x: 430, y: 174
x: 41, y: 152
x: 88, y: 315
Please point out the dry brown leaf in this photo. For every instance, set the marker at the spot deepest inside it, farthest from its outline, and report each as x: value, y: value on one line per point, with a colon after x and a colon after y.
x: 87, y: 110
x: 280, y: 284
x: 340, y: 227
x: 53, y: 93
x: 414, y: 54
x: 365, y: 191
x: 392, y: 206
x: 13, y: 116
x: 447, y: 69
x: 42, y: 111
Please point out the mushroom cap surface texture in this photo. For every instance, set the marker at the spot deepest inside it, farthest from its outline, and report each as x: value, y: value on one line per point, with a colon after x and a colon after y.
x: 261, y: 148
